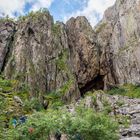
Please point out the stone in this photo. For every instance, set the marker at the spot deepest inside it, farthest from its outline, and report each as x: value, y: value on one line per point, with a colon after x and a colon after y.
x: 84, y: 51
x: 64, y: 137
x: 50, y: 56
x: 118, y: 36
x: 7, y: 31
x: 18, y: 100
x: 41, y: 58
x: 131, y: 138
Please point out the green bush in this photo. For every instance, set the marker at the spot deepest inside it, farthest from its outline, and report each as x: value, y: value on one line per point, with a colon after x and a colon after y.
x: 100, y: 27
x: 33, y: 104
x: 85, y: 124
x: 132, y: 91
x: 34, y: 15
x: 117, y: 90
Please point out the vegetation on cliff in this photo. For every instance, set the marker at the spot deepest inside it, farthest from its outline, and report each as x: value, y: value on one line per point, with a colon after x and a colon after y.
x: 84, y: 123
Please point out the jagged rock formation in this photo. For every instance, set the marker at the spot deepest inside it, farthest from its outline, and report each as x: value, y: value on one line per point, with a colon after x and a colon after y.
x: 118, y: 35
x: 7, y: 29
x: 73, y: 57
x: 83, y: 49
x: 40, y: 56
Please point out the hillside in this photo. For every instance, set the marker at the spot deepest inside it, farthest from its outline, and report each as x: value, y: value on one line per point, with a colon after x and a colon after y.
x: 46, y: 67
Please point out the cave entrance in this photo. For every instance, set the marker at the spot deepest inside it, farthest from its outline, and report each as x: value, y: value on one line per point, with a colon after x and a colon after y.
x: 96, y: 84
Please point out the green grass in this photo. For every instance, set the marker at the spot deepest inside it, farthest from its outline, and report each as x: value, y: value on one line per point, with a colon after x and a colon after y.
x: 8, y: 106
x: 86, y: 123
x: 129, y: 90
x: 56, y: 29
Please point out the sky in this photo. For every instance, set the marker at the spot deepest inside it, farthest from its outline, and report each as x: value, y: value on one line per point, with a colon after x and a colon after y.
x: 61, y: 10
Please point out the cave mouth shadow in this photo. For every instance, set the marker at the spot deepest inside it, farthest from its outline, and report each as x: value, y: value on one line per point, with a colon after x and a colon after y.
x: 96, y: 84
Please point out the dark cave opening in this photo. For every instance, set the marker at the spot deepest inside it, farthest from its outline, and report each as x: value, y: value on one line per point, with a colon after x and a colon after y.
x: 96, y: 84
x: 30, y: 31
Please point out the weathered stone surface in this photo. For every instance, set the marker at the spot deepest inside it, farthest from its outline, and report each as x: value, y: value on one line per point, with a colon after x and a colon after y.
x: 41, y: 57
x: 51, y: 56
x: 118, y: 35
x: 64, y: 137
x: 18, y: 100
x: 6, y: 37
x: 83, y: 50
x: 68, y: 58
x: 110, y: 54
x: 131, y: 138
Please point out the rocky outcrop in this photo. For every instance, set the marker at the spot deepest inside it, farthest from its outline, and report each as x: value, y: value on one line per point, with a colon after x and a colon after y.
x: 109, y: 54
x: 41, y: 57
x: 7, y: 29
x: 83, y: 50
x: 69, y: 58
x: 118, y: 35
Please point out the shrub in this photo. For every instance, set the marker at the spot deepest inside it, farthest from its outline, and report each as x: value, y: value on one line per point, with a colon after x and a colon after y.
x: 129, y: 90
x: 85, y: 124
x: 100, y: 27
x: 116, y: 90
x: 33, y: 104
x: 34, y: 15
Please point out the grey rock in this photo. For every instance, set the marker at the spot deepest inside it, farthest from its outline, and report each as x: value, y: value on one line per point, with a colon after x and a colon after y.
x: 83, y: 48
x: 98, y: 58
x: 118, y: 35
x: 64, y: 137
x: 131, y: 138
x: 7, y: 30
x: 41, y: 58
x: 18, y: 100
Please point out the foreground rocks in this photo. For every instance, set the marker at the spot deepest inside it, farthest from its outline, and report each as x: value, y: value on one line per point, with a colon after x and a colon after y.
x: 124, y: 110
x: 129, y: 109
x: 132, y: 138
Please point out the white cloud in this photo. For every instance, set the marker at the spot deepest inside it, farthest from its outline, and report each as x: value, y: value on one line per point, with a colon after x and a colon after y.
x: 41, y: 3
x: 10, y: 7
x: 93, y: 10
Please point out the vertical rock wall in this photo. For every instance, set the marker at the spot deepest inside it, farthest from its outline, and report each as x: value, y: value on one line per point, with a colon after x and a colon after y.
x: 54, y: 57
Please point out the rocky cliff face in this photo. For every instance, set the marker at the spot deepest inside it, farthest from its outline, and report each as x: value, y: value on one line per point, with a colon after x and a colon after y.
x: 73, y: 58
x: 84, y: 51
x: 118, y: 35
x: 7, y: 30
x: 41, y: 57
